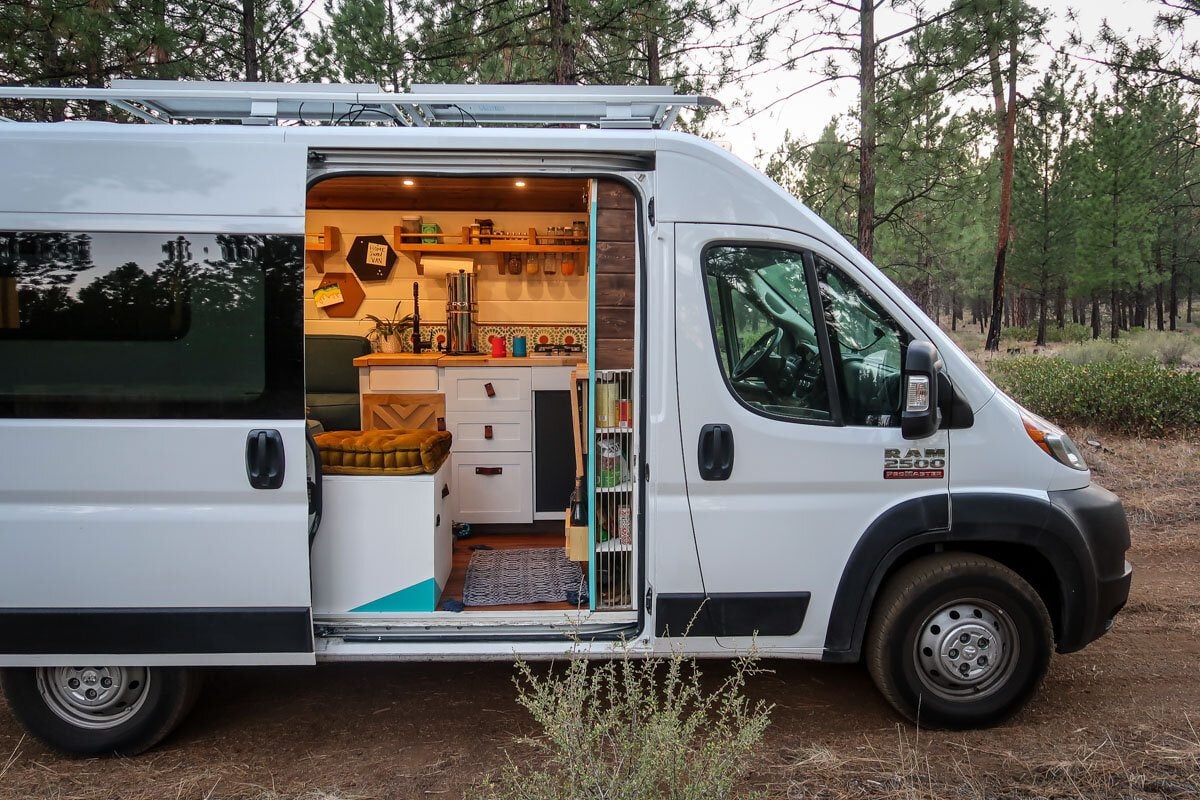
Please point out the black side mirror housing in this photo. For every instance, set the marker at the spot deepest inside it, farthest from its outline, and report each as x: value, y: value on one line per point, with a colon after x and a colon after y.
x: 921, y: 413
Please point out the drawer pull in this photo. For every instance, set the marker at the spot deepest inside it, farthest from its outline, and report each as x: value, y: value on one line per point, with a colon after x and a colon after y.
x: 445, y: 490
x: 441, y: 423
x: 489, y: 470
x: 491, y: 390
x: 487, y: 431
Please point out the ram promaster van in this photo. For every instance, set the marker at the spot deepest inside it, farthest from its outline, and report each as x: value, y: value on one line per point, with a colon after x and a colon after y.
x: 507, y: 372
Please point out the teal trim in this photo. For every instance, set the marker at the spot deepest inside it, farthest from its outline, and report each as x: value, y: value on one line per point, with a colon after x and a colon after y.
x: 591, y: 423
x: 421, y: 596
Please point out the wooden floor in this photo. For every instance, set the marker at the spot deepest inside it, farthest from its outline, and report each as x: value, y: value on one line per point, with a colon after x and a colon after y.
x: 499, y: 541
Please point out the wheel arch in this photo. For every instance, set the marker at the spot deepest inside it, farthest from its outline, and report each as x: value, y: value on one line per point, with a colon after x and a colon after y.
x: 1025, y: 533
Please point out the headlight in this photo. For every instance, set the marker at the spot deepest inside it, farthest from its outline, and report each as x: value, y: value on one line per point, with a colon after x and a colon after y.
x: 1053, y: 441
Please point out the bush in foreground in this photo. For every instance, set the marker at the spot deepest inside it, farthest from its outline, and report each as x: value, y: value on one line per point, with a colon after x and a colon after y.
x: 1126, y: 394
x: 635, y: 729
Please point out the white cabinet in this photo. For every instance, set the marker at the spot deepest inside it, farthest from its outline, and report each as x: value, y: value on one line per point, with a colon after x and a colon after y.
x: 384, y: 545
x: 490, y: 431
x: 487, y: 388
x: 493, y: 487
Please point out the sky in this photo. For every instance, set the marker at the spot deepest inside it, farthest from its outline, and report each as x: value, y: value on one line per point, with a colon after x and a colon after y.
x: 754, y: 139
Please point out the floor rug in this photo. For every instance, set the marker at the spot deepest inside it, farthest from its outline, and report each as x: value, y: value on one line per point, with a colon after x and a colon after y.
x: 533, y: 575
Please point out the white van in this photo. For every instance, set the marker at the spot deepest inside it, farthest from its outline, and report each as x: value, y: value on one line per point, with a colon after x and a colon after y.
x: 757, y: 439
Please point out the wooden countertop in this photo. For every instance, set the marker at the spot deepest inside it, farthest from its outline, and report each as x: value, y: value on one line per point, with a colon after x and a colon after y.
x: 481, y: 360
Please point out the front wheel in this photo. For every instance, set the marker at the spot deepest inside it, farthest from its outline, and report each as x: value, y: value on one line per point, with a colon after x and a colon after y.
x: 91, y: 711
x: 958, y: 641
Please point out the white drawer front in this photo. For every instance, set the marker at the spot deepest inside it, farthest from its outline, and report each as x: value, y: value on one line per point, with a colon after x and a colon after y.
x: 553, y: 378
x: 402, y: 379
x: 493, y: 487
x: 511, y: 431
x: 466, y: 389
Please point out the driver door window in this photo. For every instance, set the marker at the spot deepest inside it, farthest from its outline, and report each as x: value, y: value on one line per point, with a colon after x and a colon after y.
x: 761, y: 307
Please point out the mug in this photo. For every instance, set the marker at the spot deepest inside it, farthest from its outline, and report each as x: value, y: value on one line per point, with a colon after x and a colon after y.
x: 519, y: 347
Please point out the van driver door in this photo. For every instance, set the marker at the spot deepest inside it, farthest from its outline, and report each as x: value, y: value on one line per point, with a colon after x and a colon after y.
x: 789, y: 376
x: 153, y: 491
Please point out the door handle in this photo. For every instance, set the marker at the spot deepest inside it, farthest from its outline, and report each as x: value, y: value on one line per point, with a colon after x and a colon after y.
x: 715, y: 452
x: 264, y: 459
x: 489, y: 470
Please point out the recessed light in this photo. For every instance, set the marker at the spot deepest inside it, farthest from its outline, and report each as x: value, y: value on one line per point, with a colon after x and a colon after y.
x: 519, y: 184
x: 408, y: 182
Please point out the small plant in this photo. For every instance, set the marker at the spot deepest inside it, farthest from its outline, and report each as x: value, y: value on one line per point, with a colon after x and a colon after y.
x: 635, y: 729
x: 387, y: 330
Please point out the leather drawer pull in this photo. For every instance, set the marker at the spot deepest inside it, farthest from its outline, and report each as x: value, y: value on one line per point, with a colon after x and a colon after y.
x: 491, y: 390
x: 441, y: 422
x: 487, y: 431
x: 445, y: 490
x: 489, y: 470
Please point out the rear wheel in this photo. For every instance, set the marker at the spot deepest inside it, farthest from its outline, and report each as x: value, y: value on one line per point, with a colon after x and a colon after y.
x: 958, y: 641
x: 100, y: 710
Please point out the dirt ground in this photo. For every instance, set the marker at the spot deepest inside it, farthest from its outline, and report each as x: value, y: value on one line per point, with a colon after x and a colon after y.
x: 1120, y: 719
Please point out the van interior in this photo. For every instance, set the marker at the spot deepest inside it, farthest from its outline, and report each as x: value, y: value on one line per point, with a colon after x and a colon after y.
x: 472, y: 396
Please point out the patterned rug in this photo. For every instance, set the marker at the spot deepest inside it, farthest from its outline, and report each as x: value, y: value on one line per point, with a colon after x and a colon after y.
x: 532, y: 575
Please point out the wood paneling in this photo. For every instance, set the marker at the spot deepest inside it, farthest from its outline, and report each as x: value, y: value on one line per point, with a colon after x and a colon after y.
x: 386, y: 192
x: 615, y: 225
x: 616, y: 257
x: 611, y: 194
x: 403, y: 411
x: 616, y: 278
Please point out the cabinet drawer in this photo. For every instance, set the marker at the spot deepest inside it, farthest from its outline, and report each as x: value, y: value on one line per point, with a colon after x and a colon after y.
x: 493, y: 487
x: 467, y: 389
x: 511, y: 431
x: 402, y: 379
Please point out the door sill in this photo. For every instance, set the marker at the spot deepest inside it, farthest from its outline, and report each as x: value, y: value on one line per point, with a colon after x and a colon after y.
x: 485, y: 625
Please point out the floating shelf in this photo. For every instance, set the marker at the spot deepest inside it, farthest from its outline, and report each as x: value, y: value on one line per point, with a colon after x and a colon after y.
x: 531, y: 242
x: 613, y: 546
x: 614, y: 430
x: 318, y: 243
x: 620, y: 487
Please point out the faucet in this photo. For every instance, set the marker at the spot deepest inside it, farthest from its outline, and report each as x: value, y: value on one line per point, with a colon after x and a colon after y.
x: 417, y: 344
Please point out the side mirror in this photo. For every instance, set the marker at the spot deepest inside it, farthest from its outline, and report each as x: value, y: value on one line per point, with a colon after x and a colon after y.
x: 921, y: 415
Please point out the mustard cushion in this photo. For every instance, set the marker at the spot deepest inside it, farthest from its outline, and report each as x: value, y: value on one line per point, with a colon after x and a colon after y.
x: 385, y: 452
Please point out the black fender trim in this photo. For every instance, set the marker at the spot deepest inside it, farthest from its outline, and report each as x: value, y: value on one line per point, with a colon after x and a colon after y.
x: 1053, y: 529
x: 733, y: 614
x: 158, y: 631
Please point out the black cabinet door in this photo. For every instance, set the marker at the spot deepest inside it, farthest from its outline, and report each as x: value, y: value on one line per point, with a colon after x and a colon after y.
x: 553, y: 451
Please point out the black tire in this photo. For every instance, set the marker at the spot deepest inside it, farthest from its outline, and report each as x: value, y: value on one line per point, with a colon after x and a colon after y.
x: 169, y: 694
x: 916, y: 662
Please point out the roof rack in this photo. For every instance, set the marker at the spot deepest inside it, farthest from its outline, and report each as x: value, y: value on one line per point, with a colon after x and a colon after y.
x: 165, y: 102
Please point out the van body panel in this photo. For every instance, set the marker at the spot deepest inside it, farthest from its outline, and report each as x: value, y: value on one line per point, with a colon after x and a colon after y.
x: 801, y: 493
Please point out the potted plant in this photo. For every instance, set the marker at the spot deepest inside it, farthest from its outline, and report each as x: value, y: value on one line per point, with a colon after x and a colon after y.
x: 387, y: 331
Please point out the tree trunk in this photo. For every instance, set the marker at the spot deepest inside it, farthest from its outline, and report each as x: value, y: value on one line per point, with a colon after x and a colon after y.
x: 1041, y: 330
x: 560, y: 42
x: 653, y: 57
x: 1114, y: 326
x: 1095, y: 315
x: 1008, y: 143
x: 866, y: 113
x: 250, y: 40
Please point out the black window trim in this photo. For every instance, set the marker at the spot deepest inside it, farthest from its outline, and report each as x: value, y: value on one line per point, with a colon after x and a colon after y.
x: 831, y: 382
x: 283, y: 379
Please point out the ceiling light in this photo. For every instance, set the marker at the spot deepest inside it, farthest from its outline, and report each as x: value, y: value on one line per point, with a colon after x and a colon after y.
x: 519, y: 184
x: 408, y: 182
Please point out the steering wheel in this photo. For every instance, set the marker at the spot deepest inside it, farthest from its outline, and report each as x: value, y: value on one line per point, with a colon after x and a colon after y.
x: 766, y: 344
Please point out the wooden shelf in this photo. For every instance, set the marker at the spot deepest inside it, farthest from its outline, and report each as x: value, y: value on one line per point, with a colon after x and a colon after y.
x: 501, y: 243
x: 613, y: 546
x: 318, y: 243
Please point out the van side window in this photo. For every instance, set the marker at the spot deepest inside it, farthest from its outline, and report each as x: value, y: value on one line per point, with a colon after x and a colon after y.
x: 763, y: 326
x: 867, y: 346
x: 134, y: 325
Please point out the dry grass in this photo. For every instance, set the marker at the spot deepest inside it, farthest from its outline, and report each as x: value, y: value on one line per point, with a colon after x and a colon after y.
x: 1157, y: 479
x: 1161, y: 765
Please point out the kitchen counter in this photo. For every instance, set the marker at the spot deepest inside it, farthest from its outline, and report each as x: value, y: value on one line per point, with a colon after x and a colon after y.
x: 480, y: 360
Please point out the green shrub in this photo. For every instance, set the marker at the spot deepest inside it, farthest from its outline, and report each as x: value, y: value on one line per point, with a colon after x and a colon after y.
x: 1071, y: 332
x: 1127, y: 394
x: 635, y: 729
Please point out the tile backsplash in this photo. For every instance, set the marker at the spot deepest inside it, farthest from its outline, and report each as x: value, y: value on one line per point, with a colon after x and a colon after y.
x: 534, y: 334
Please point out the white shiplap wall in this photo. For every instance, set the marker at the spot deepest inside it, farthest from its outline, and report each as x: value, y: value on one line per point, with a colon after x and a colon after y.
x: 503, y: 299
